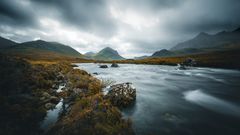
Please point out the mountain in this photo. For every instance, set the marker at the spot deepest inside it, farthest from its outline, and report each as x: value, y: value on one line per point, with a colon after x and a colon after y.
x: 162, y: 53
x: 89, y: 54
x: 204, y: 40
x: 5, y: 43
x: 108, y: 54
x: 141, y: 57
x: 42, y: 48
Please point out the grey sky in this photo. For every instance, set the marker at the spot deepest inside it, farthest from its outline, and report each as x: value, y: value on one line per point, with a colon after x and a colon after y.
x: 133, y: 27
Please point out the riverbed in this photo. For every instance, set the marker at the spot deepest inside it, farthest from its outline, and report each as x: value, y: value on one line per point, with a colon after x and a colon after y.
x: 179, y: 102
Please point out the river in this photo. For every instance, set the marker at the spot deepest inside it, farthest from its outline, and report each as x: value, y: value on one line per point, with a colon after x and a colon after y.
x: 200, y: 101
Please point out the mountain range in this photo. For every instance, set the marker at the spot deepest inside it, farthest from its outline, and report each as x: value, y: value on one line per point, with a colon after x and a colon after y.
x: 204, y: 40
x: 203, y: 43
x: 44, y: 49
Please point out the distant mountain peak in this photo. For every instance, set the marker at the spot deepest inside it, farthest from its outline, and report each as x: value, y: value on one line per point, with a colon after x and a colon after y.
x: 108, y: 48
x: 89, y: 53
x: 108, y: 53
x: 162, y: 53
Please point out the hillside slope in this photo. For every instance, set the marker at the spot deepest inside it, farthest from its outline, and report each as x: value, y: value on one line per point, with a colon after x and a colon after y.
x: 5, y: 43
x: 204, y: 40
x: 42, y: 49
x: 108, y: 54
x: 162, y: 53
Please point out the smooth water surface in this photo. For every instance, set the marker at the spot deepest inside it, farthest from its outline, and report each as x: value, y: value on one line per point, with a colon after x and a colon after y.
x: 179, y: 102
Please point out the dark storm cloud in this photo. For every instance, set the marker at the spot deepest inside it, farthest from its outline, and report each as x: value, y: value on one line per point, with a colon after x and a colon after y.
x: 132, y: 26
x: 148, y: 5
x: 11, y: 12
x: 90, y: 15
x: 207, y: 16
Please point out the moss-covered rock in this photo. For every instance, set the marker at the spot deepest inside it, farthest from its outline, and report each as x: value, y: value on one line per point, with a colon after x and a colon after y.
x: 121, y: 95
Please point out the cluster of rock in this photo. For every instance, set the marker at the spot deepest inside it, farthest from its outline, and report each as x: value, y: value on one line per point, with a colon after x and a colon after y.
x: 122, y: 95
x: 189, y: 62
x: 51, y: 98
x: 114, y: 65
x: 106, y: 66
x: 103, y: 66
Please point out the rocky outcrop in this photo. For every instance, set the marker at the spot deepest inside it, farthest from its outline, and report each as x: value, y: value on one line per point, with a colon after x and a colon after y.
x: 103, y: 66
x: 114, y: 65
x: 122, y: 95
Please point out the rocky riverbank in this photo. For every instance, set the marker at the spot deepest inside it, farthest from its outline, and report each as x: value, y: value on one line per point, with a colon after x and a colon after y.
x: 29, y: 90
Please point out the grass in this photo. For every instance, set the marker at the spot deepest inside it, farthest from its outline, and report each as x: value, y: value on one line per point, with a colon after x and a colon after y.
x: 22, y: 84
x: 216, y: 59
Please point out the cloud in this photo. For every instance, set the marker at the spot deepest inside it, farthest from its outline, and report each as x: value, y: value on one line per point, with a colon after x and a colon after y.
x: 133, y: 27
x: 13, y: 12
x: 92, y: 16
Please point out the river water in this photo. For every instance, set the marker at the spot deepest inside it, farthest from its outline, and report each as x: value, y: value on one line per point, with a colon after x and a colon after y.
x: 200, y: 101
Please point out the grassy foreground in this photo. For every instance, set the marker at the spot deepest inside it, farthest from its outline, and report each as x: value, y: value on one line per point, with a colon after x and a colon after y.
x: 23, y: 85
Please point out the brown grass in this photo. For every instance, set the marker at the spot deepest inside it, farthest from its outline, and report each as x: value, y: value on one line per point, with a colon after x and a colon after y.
x: 217, y: 59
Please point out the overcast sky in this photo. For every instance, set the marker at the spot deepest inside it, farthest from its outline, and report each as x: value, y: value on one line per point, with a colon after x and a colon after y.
x: 133, y: 27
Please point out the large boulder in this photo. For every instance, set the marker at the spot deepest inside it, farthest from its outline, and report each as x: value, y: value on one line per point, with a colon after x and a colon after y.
x: 114, y: 65
x: 103, y: 66
x: 121, y: 95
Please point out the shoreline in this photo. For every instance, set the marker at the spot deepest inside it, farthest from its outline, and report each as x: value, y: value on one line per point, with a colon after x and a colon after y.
x: 82, y: 93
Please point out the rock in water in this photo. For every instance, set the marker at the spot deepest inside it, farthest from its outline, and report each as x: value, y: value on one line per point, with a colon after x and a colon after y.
x: 103, y: 66
x: 95, y: 73
x: 114, y: 65
x: 189, y: 62
x: 122, y: 95
x: 186, y: 64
